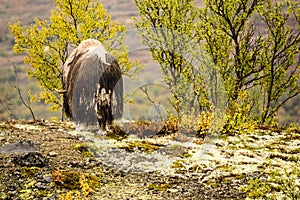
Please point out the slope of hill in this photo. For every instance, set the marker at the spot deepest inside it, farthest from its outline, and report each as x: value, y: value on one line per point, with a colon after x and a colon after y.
x: 27, y: 10
x: 50, y: 160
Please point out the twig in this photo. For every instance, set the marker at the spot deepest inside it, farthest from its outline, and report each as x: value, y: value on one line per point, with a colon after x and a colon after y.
x: 156, y: 106
x: 17, y: 86
x: 9, y: 109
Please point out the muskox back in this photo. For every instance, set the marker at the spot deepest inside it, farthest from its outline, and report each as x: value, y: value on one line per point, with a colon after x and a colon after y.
x: 94, y: 87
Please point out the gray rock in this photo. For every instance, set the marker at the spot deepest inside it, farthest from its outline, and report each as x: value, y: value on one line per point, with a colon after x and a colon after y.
x: 40, y: 186
x: 52, y: 154
x: 48, y: 179
x: 30, y: 159
x: 20, y: 146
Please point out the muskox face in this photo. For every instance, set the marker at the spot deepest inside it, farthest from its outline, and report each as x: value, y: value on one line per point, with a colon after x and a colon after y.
x: 93, y: 85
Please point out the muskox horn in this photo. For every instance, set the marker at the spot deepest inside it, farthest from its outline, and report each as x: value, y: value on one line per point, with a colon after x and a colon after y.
x: 60, y: 91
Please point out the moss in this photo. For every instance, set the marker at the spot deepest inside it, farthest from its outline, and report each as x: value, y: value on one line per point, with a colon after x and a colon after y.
x: 194, y: 168
x: 31, y: 192
x: 292, y: 136
x: 239, y: 176
x: 291, y: 158
x: 295, y: 151
x: 212, y: 183
x: 227, y: 168
x: 224, y: 180
x: 43, y: 193
x: 256, y: 189
x: 84, y: 150
x: 71, y: 195
x: 3, y: 195
x: 71, y: 180
x: 186, y: 155
x: 75, y: 180
x: 178, y: 165
x: 92, y: 180
x: 29, y: 189
x: 143, y: 146
x: 80, y: 185
x: 116, y: 133
x: 28, y: 172
x: 277, y: 183
x: 159, y: 187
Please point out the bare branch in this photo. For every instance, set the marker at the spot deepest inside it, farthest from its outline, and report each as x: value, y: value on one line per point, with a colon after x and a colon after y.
x: 17, y: 87
x: 9, y: 108
x: 156, y: 106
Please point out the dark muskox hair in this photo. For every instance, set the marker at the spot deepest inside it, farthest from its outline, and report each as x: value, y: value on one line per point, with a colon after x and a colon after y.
x: 93, y: 86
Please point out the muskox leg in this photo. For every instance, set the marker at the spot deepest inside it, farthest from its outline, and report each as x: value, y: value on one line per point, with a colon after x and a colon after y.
x: 102, y: 122
x: 108, y: 111
x: 106, y: 117
x: 103, y: 107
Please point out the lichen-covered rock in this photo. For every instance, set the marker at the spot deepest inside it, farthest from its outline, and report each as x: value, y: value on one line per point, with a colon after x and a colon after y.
x: 30, y: 159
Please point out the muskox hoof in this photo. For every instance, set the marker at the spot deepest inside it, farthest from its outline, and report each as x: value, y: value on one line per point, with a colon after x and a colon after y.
x: 101, y: 132
x: 83, y: 127
x: 80, y: 127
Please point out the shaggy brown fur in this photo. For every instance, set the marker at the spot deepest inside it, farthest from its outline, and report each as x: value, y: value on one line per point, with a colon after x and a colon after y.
x: 91, y: 78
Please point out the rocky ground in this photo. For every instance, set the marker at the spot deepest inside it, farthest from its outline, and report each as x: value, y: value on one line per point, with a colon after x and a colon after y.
x: 50, y: 160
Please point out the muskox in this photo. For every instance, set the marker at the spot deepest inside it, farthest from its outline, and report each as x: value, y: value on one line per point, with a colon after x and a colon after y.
x: 92, y: 86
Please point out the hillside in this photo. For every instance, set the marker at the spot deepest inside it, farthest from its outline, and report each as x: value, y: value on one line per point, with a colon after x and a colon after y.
x: 50, y: 160
x: 122, y: 10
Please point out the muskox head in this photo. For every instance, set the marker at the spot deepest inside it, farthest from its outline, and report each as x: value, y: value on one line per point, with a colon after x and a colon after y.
x: 93, y: 86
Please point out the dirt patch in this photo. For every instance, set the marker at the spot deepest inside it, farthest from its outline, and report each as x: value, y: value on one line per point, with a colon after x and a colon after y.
x: 50, y: 160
